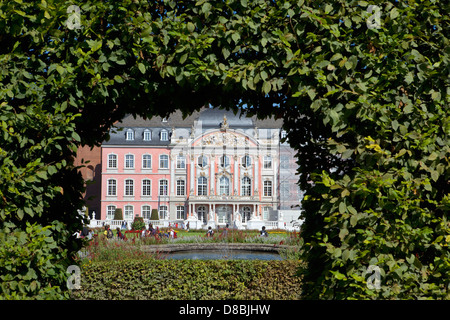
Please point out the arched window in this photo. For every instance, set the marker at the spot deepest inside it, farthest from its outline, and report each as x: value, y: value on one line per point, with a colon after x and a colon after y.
x: 129, y: 134
x: 246, y: 161
x: 202, y: 161
x: 147, y: 135
x: 224, y: 186
x: 112, y: 187
x: 246, y: 214
x: 246, y: 186
x: 129, y: 187
x: 146, y: 161
x: 163, y: 187
x: 224, y: 161
x: 112, y: 161
x: 146, y: 212
x: 110, y: 210
x: 164, y: 135
x: 180, y: 187
x: 164, y: 161
x: 128, y: 212
x: 202, y: 214
x: 146, y: 187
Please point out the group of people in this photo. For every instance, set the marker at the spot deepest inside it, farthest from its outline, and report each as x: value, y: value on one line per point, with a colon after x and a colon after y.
x: 210, y: 232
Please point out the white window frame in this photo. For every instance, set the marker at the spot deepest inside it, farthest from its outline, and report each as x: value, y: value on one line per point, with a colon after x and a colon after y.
x: 162, y: 211
x: 112, y: 157
x: 146, y: 163
x: 146, y: 189
x: 181, y: 187
x: 129, y: 136
x: 181, y: 162
x: 267, y: 162
x: 181, y: 212
x: 202, y: 186
x: 164, y: 135
x: 224, y: 187
x: 246, y: 186
x: 143, y: 214
x: 147, y: 135
x: 129, y: 161
x: 246, y: 161
x: 126, y: 212
x: 128, y: 188
x: 267, y: 188
x: 110, y: 187
x: 161, y: 161
x: 224, y: 161
x: 161, y: 187
x: 109, y: 214
x: 202, y: 161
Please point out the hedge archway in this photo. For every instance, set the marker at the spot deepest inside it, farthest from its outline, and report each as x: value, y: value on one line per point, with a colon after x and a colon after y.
x: 363, y: 90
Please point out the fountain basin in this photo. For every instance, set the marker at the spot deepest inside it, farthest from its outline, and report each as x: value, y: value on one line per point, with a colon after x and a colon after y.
x: 206, y: 251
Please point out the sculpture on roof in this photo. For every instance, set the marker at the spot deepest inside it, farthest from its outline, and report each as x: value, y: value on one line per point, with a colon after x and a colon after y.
x: 224, y: 125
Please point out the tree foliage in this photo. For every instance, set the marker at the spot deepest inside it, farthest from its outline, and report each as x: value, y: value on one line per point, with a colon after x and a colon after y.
x: 365, y: 107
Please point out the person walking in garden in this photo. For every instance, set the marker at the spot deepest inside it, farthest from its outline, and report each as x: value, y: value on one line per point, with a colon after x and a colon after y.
x: 263, y: 232
x: 210, y: 232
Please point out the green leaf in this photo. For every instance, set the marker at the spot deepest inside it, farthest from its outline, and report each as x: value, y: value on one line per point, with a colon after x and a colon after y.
x: 266, y: 87
x: 190, y: 27
x: 342, y: 207
x: 394, y: 13
x: 141, y: 68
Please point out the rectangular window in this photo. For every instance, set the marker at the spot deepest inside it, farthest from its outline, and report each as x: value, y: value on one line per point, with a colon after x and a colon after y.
x: 146, y: 187
x: 163, y: 212
x: 146, y: 212
x: 164, y: 161
x: 246, y: 187
x: 181, y: 162
x: 267, y: 188
x: 267, y: 162
x: 112, y: 187
x: 202, y: 186
x: 129, y: 161
x: 180, y: 212
x: 180, y: 188
x: 110, y: 211
x: 129, y: 187
x: 146, y: 161
x: 266, y: 211
x: 128, y: 212
x: 163, y: 187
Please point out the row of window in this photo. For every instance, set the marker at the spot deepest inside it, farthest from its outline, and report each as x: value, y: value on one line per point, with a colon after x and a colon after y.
x: 146, y: 212
x: 202, y: 187
x: 202, y: 211
x: 202, y: 161
x: 147, y: 135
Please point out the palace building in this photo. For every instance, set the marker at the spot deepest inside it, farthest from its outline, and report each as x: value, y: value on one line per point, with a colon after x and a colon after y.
x: 212, y: 168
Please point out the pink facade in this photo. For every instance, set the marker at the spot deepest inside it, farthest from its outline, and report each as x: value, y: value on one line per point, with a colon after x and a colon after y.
x: 210, y: 169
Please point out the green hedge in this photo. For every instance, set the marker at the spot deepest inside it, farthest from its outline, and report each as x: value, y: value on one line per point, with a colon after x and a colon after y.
x: 154, y: 279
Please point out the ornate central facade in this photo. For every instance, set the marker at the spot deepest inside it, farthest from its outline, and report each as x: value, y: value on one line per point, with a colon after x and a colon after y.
x: 212, y: 167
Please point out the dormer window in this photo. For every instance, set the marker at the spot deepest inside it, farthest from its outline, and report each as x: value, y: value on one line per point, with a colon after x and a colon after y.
x: 147, y: 135
x: 164, y: 135
x: 130, y: 134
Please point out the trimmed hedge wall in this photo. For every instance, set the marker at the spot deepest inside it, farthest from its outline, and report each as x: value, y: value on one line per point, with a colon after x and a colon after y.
x: 154, y: 279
